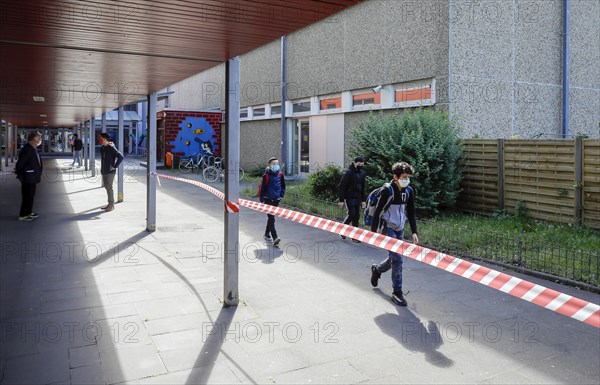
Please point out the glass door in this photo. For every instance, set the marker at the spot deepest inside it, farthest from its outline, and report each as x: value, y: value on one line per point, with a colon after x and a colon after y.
x: 304, y: 132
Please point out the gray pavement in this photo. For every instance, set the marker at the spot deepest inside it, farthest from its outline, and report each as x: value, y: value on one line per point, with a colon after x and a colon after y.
x: 89, y: 297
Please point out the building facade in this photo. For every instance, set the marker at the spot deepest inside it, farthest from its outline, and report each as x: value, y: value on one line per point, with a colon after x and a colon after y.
x: 495, y: 66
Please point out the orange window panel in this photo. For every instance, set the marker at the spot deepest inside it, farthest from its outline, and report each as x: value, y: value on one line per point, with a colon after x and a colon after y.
x: 375, y: 96
x: 414, y: 94
x: 328, y: 104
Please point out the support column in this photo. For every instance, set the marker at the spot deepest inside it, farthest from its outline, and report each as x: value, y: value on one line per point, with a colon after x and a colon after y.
x: 2, y: 125
x: 120, y: 145
x: 85, y: 151
x: 93, y: 146
x: 151, y: 163
x: 232, y: 149
x: 103, y: 128
x: 9, y: 140
x: 6, y: 144
x: 15, y: 140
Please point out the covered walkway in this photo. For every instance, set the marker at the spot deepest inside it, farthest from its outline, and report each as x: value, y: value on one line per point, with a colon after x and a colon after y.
x: 91, y: 297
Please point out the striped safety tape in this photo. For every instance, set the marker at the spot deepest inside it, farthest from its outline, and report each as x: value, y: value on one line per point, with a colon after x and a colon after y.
x: 231, y: 207
x: 550, y: 299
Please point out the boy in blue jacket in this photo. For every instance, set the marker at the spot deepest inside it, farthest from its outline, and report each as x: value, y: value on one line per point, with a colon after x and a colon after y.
x: 272, y: 190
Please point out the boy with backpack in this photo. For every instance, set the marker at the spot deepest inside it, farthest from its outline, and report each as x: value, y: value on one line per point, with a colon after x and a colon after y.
x: 271, y: 191
x: 396, y: 204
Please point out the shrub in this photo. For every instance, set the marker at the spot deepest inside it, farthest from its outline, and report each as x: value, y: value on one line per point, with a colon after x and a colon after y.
x: 323, y: 183
x: 424, y: 138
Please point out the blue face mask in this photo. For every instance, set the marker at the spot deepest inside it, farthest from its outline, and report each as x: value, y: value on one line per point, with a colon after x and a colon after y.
x: 275, y: 167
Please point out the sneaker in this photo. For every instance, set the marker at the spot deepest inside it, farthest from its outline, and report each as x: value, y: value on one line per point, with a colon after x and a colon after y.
x: 267, y: 238
x: 27, y: 218
x: 110, y: 208
x: 276, y: 241
x: 398, y: 298
x: 343, y: 237
x: 375, y: 275
x: 34, y: 215
x: 355, y: 241
x: 104, y: 207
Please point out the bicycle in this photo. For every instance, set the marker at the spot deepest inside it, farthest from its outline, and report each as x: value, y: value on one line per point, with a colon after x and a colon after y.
x: 202, y: 161
x: 212, y: 173
x: 187, y: 164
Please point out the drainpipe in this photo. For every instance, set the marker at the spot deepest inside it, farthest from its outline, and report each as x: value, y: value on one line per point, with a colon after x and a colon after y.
x: 566, y: 68
x: 283, y: 98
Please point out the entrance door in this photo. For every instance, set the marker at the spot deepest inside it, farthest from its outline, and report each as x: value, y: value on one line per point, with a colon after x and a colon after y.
x: 304, y: 133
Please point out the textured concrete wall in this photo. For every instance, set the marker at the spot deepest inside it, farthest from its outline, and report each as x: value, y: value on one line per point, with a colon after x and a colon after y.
x: 259, y: 141
x: 585, y: 67
x: 506, y: 67
x: 260, y: 75
x: 201, y: 91
x: 375, y: 42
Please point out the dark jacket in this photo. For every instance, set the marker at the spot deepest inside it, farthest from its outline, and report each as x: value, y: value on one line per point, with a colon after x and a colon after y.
x: 275, y: 188
x: 29, y: 165
x: 111, y: 159
x: 77, y: 145
x: 352, y: 185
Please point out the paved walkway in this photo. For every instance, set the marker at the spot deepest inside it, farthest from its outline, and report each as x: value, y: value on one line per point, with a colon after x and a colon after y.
x: 89, y: 297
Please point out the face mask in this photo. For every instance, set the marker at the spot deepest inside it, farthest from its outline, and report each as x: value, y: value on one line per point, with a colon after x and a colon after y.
x: 358, y: 168
x: 275, y: 167
x: 404, y: 182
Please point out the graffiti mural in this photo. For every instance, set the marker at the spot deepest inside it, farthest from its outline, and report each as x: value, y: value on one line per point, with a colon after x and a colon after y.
x: 195, y: 136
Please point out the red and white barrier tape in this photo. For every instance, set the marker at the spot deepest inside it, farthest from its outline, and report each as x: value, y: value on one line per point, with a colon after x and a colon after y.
x: 550, y: 299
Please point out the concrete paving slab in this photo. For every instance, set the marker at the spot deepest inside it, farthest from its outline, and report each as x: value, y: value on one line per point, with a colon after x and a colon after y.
x: 131, y: 363
x: 42, y: 368
x: 84, y: 356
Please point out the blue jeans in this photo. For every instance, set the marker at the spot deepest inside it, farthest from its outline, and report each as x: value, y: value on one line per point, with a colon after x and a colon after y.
x: 393, y: 261
x: 77, y: 157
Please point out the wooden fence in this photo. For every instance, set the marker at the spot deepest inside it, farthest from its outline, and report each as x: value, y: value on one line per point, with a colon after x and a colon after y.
x: 554, y: 180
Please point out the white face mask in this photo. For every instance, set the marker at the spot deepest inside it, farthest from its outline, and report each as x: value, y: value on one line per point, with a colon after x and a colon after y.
x: 404, y: 182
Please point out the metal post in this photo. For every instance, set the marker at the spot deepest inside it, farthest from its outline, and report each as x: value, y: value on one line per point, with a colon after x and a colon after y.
x: 578, y: 180
x: 151, y: 164
x: 501, y: 174
x: 9, y: 140
x: 232, y: 149
x: 283, y: 99
x: 103, y: 128
x: 85, y: 140
x: 93, y: 146
x: 120, y: 145
x: 6, y: 144
x: 2, y: 125
x: 566, y: 102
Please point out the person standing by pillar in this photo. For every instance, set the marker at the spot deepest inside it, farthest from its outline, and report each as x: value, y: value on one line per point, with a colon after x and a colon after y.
x: 111, y: 158
x: 29, y: 171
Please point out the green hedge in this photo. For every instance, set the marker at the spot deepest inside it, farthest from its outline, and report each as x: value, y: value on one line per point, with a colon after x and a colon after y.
x: 426, y: 139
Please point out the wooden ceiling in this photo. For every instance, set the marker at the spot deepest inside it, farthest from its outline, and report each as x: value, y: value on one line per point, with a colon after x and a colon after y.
x: 89, y: 57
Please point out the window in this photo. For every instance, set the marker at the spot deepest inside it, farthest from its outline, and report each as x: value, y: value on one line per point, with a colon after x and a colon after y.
x: 404, y: 94
x: 244, y: 113
x: 366, y: 99
x: 301, y: 107
x: 330, y: 104
x: 258, y: 112
x: 275, y: 110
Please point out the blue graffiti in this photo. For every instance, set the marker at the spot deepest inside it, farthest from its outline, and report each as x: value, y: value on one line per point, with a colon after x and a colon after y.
x: 195, y: 137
